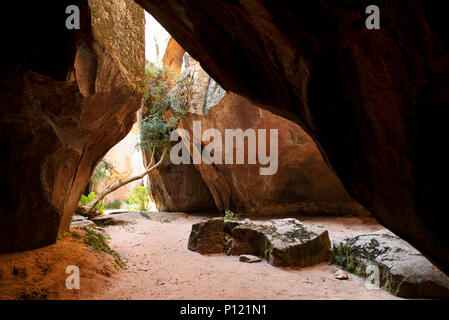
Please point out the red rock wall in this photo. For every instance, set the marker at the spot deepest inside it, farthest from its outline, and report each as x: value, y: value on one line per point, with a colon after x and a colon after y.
x: 67, y: 97
x: 303, y: 183
x: 375, y: 101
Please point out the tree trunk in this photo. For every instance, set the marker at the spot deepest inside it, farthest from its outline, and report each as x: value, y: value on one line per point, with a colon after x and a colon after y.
x: 87, y: 210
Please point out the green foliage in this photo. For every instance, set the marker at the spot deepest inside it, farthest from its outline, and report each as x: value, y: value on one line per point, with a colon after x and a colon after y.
x: 168, y: 100
x: 101, y: 170
x: 138, y: 199
x: 116, y: 204
x: 86, y: 200
x: 99, y: 242
x: 230, y: 216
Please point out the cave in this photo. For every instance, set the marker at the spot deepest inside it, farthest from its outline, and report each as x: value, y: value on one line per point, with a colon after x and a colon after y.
x: 363, y: 113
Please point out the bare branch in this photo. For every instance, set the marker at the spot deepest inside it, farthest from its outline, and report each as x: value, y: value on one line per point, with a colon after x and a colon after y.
x: 91, y: 205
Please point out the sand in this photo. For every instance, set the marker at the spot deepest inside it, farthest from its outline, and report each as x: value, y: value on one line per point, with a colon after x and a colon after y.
x: 160, y: 267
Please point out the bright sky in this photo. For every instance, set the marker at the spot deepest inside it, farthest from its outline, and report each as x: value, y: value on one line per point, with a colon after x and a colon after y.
x: 156, y: 39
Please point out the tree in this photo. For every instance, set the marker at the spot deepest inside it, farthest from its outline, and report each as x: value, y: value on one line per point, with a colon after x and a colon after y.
x: 168, y: 100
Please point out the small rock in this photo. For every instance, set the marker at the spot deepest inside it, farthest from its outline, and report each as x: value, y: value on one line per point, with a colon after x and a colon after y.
x: 77, y: 217
x: 341, y: 275
x: 249, y: 258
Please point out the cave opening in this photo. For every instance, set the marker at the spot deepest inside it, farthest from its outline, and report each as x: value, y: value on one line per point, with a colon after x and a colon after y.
x: 190, y: 196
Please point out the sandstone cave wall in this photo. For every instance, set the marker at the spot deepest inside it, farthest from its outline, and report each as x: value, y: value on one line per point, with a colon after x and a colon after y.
x: 67, y: 96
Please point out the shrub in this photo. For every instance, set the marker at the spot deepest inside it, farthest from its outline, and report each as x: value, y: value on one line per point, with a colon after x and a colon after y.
x: 86, y: 200
x: 230, y: 216
x: 138, y: 199
x: 116, y: 204
x: 167, y: 100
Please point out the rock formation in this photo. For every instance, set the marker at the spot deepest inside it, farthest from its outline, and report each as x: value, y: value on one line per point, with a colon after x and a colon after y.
x: 67, y: 97
x: 173, y: 57
x: 303, y: 183
x: 375, y: 101
x: 391, y: 263
x: 282, y: 242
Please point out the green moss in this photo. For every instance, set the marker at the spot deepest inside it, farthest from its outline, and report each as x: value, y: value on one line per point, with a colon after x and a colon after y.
x: 75, y: 235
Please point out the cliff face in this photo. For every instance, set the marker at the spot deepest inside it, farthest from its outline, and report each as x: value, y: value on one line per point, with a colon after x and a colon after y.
x: 67, y: 97
x: 375, y: 101
x: 303, y: 184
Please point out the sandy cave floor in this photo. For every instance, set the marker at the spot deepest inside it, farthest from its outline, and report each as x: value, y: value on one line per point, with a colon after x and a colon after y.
x: 160, y: 267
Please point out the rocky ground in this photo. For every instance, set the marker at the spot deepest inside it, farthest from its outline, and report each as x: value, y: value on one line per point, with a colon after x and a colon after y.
x: 161, y: 267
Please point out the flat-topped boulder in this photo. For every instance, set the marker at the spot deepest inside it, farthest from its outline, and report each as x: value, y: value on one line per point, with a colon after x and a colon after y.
x: 282, y: 242
x: 114, y: 220
x: 392, y: 264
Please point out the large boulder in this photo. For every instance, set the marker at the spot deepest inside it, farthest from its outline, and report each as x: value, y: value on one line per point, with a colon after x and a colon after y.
x: 282, y: 242
x: 67, y: 97
x: 375, y: 101
x: 393, y: 264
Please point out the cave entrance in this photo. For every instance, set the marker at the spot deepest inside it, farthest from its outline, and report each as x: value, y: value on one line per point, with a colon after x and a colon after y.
x: 306, y: 198
x: 188, y: 194
x: 176, y: 249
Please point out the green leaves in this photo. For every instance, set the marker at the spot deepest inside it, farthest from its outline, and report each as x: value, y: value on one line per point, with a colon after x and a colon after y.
x: 230, y: 216
x: 86, y: 200
x: 138, y: 199
x: 168, y: 100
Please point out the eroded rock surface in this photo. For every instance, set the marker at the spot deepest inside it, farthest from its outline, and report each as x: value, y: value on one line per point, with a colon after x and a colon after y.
x: 375, y: 101
x: 67, y: 97
x: 393, y: 264
x: 303, y: 183
x: 282, y: 242
x: 207, y: 236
